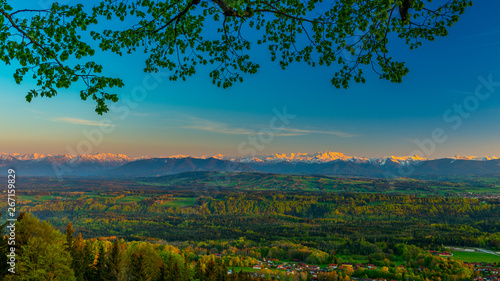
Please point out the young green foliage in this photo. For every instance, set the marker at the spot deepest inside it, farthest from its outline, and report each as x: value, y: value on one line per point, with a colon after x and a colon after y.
x: 346, y: 35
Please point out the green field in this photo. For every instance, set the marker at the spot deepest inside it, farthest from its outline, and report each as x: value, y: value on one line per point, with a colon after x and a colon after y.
x: 268, y: 181
x: 245, y: 269
x: 130, y: 199
x: 35, y: 198
x: 181, y: 202
x: 476, y: 257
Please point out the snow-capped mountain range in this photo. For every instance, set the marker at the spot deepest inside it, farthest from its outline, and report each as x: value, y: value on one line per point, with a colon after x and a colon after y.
x: 330, y: 163
x: 319, y: 157
x: 104, y: 158
x: 324, y: 157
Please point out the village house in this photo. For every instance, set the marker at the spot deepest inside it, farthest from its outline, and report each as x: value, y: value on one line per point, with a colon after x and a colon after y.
x: 332, y: 266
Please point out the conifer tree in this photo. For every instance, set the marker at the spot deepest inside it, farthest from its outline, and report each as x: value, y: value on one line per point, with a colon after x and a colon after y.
x: 198, y: 270
x: 114, y: 262
x: 138, y: 267
x: 87, y: 260
x: 175, y: 273
x: 77, y: 257
x: 69, y: 237
x: 101, y: 266
x: 163, y: 273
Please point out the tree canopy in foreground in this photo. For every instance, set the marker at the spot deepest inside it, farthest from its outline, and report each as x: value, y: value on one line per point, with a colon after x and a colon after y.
x: 52, y: 45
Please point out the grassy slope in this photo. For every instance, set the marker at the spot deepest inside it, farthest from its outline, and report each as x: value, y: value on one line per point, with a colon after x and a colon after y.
x: 476, y: 257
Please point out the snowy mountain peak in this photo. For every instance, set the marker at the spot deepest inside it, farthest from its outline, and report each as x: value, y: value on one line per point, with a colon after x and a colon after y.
x: 319, y: 157
x: 105, y: 157
x: 401, y: 160
x: 485, y: 158
x: 218, y: 156
x: 97, y: 157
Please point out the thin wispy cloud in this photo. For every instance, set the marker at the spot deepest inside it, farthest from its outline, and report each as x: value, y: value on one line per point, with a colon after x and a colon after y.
x: 34, y: 111
x: 142, y: 114
x: 335, y: 133
x: 217, y: 127
x: 77, y: 121
x: 223, y: 128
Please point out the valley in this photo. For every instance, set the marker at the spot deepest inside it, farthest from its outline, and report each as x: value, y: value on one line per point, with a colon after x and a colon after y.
x: 268, y: 225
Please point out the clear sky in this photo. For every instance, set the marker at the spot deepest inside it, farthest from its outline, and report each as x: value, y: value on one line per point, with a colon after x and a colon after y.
x: 196, y: 118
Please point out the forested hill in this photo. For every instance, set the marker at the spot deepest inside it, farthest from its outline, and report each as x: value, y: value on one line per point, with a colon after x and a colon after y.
x: 125, y: 167
x: 284, y: 182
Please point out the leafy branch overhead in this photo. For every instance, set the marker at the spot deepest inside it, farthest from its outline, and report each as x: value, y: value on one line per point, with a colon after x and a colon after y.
x: 54, y: 45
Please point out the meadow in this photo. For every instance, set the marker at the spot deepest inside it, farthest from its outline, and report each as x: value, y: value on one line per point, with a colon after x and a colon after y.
x: 476, y: 257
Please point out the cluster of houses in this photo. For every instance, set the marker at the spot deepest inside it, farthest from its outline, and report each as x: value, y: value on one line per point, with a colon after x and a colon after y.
x: 488, y: 271
x: 293, y: 268
x: 480, y: 195
x: 369, y: 279
x: 487, y: 278
x: 441, y: 254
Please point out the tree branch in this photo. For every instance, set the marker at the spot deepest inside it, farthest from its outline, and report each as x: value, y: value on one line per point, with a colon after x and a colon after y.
x: 180, y: 15
x: 14, y: 25
x: 30, y: 10
x: 230, y: 11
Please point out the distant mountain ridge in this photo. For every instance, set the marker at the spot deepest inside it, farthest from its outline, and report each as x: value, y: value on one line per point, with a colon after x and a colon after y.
x: 64, y: 165
x: 170, y: 166
x: 327, y: 163
x: 319, y: 157
x: 98, y: 157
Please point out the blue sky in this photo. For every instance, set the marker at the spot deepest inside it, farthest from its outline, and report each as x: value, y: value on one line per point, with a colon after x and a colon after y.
x: 196, y: 118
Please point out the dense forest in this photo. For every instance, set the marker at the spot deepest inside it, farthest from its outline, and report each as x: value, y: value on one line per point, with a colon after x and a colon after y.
x: 43, y: 253
x: 135, y: 211
x: 205, y: 226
